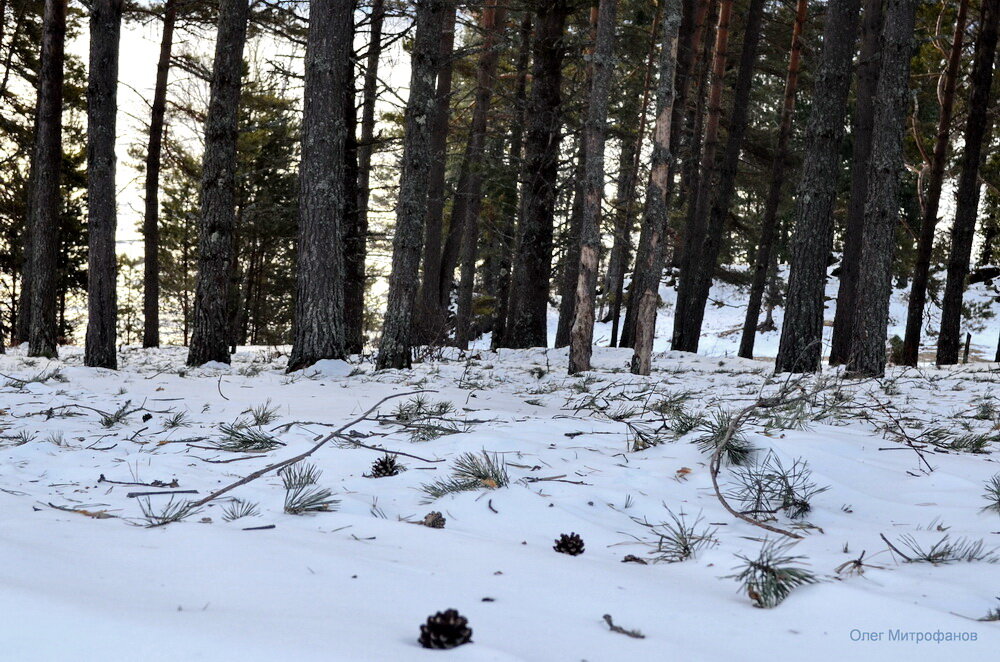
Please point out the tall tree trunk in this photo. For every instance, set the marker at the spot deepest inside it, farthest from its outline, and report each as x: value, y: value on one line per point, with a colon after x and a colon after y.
x: 354, y: 285
x: 216, y: 260
x: 533, y: 259
x: 626, y: 186
x: 705, y: 257
x: 570, y: 267
x: 435, y: 292
x: 925, y: 244
x: 697, y: 225
x: 864, y: 114
x: 469, y: 195
x: 769, y: 223
x: 151, y: 216
x: 602, y: 66
x: 871, y: 318
x: 800, y: 349
x: 102, y: 219
x: 44, y: 203
x: 655, y: 217
x: 319, y: 295
x: 355, y: 229
x: 977, y: 133
x: 516, y: 165
x: 690, y: 46
x: 395, y: 347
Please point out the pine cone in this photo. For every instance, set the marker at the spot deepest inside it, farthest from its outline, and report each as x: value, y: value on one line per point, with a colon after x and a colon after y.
x: 385, y: 466
x: 445, y: 629
x: 571, y: 544
x: 434, y: 519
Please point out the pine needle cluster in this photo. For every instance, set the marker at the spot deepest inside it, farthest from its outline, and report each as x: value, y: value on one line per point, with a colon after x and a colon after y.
x: 946, y: 550
x: 678, y: 540
x: 737, y: 450
x: 173, y: 511
x: 770, y: 577
x: 471, y: 471
x: 767, y: 487
x: 241, y: 438
x: 302, y: 495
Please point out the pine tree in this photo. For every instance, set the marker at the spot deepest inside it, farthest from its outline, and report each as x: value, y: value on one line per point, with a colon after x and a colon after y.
x: 319, y: 301
x: 977, y: 132
x: 209, y: 335
x: 871, y: 318
x: 395, y: 347
x: 102, y: 108
x: 46, y: 165
x: 802, y: 333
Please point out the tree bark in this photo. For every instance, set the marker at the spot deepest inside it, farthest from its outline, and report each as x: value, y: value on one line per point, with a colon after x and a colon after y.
x: 469, y: 195
x: 690, y: 46
x: 655, y: 218
x: 319, y: 295
x: 209, y: 332
x: 697, y: 225
x: 533, y: 258
x: 435, y: 288
x: 864, y: 113
x: 977, y: 131
x: 871, y: 318
x: 354, y: 260
x: 707, y: 255
x: 102, y: 219
x: 395, y: 347
x: 769, y: 222
x: 516, y: 165
x: 602, y: 66
x: 925, y: 244
x: 151, y: 216
x: 47, y: 164
x: 569, y: 273
x: 800, y: 349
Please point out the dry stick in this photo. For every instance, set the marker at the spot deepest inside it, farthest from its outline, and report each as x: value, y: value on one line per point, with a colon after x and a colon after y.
x: 635, y: 634
x: 301, y: 456
x: 358, y: 444
x: 894, y: 548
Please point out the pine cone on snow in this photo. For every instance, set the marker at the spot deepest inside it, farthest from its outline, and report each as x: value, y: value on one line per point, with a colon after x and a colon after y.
x: 571, y: 544
x: 445, y: 629
x: 434, y: 519
x: 385, y: 466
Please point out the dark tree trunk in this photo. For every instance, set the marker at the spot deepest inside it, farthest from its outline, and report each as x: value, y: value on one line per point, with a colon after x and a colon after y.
x: 925, y: 244
x: 594, y: 132
x: 395, y: 347
x: 691, y: 33
x: 533, y: 260
x: 435, y: 287
x: 570, y: 271
x: 864, y: 113
x: 210, y: 326
x: 319, y: 295
x: 705, y: 257
x: 655, y: 218
x: 516, y: 165
x: 102, y: 219
x: 469, y: 195
x: 977, y: 132
x: 354, y: 259
x: 355, y: 231
x: 151, y: 216
x: 697, y: 222
x: 627, y: 184
x: 800, y: 349
x: 44, y: 203
x: 769, y: 223
x: 871, y: 318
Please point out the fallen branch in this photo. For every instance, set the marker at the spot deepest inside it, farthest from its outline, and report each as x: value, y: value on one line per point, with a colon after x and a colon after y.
x: 635, y: 634
x: 277, y: 466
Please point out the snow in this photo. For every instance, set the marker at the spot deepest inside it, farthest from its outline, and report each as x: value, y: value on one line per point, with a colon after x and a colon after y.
x: 356, y: 583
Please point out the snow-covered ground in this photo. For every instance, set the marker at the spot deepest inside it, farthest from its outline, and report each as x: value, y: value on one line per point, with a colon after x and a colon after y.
x: 82, y: 578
